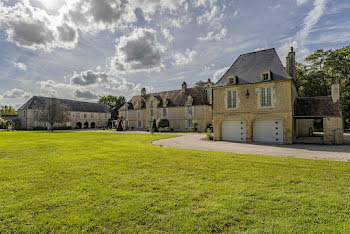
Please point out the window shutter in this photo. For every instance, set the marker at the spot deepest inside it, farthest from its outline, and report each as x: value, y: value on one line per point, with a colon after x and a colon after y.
x: 186, y: 123
x: 268, y: 96
x: 263, y: 103
x: 192, y: 110
x: 234, y: 99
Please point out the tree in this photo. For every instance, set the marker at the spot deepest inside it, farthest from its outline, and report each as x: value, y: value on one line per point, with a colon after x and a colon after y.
x: 322, y: 69
x: 113, y: 103
x: 2, y: 123
x: 7, y: 110
x: 53, y: 113
x: 154, y: 127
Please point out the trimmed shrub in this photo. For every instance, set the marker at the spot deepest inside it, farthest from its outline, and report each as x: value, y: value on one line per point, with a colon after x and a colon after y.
x: 210, y: 136
x: 164, y: 123
x: 155, y: 129
x: 38, y: 128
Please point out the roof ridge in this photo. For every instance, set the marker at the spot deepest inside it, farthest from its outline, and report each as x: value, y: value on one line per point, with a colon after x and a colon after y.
x: 273, y: 48
x: 67, y: 99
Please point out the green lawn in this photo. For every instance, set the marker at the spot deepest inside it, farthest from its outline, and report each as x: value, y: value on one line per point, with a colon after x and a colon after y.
x: 104, y: 182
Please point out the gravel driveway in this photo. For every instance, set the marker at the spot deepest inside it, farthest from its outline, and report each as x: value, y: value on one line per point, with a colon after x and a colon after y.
x: 195, y: 141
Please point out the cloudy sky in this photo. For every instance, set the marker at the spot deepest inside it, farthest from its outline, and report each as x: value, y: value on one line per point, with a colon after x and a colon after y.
x: 84, y: 49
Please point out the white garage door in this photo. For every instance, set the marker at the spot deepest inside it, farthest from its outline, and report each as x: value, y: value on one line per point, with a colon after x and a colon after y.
x: 268, y: 131
x: 233, y: 130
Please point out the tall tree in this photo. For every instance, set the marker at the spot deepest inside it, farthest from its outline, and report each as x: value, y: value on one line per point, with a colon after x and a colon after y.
x: 53, y: 113
x: 7, y: 110
x: 113, y: 103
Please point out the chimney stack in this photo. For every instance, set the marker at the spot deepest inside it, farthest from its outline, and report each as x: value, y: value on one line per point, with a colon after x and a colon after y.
x: 335, y: 93
x: 291, y: 63
x: 184, y: 86
x: 143, y: 92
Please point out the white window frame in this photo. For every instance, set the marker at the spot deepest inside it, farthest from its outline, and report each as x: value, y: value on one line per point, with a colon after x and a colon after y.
x: 139, y: 114
x: 166, y: 112
x: 151, y: 112
x: 85, y: 116
x: 139, y: 124
x: 77, y: 115
x: 92, y: 115
x: 188, y: 123
x: 231, y: 103
x: 69, y: 124
x: 35, y: 124
x: 266, y: 96
x: 265, y: 75
x: 189, y: 111
x: 126, y: 123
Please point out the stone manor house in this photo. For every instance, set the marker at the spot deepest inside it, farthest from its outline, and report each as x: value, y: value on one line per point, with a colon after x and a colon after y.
x: 81, y: 114
x: 256, y: 100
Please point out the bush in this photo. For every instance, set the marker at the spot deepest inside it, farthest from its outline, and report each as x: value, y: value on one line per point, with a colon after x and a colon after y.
x: 163, y: 123
x: 10, y: 125
x: 38, y: 128
x: 2, y: 123
x: 210, y: 136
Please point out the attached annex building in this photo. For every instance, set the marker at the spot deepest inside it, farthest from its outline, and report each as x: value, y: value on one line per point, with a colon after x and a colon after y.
x: 82, y: 114
x: 182, y: 108
x: 256, y: 100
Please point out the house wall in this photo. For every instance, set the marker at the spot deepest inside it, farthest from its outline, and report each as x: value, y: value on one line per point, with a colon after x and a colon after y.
x: 250, y: 109
x: 333, y: 130
x: 29, y: 119
x: 176, y: 117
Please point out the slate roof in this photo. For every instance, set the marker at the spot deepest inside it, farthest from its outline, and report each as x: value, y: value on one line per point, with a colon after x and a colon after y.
x: 174, y: 98
x: 37, y: 102
x: 248, y: 67
x: 316, y: 107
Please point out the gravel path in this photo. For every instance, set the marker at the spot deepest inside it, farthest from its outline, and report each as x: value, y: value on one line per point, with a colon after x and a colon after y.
x: 196, y: 142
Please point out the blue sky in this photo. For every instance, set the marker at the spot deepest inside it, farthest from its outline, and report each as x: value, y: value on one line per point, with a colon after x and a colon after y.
x: 84, y: 49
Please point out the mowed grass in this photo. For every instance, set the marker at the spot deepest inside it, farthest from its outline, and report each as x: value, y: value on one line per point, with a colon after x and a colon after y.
x: 106, y: 182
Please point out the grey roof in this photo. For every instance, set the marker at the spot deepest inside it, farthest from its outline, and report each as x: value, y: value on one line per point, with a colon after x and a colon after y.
x: 37, y: 102
x: 247, y: 68
x: 316, y: 107
x: 174, y: 98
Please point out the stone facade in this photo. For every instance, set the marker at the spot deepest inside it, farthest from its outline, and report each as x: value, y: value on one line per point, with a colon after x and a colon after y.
x: 183, y: 108
x: 249, y: 108
x: 81, y: 114
x: 29, y: 120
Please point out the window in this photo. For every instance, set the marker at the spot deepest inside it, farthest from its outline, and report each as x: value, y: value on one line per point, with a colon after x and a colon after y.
x: 139, y: 124
x: 69, y: 124
x: 152, y: 104
x: 85, y: 115
x: 188, y: 123
x: 126, y: 123
x: 265, y: 75
x: 165, y: 112
x: 232, y: 79
x: 35, y: 124
x: 151, y: 112
x: 126, y: 114
x: 106, y: 116
x: 266, y: 96
x: 231, y: 99
x: 78, y: 115
x: 24, y: 113
x: 92, y: 115
x: 190, y: 111
x: 139, y: 114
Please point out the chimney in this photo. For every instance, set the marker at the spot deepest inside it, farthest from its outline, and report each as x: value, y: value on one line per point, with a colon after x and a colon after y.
x: 291, y: 63
x: 184, y: 86
x: 209, y: 91
x: 335, y: 93
x: 143, y: 91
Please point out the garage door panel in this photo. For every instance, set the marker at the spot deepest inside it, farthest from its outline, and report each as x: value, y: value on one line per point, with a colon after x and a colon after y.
x: 268, y: 131
x: 233, y: 130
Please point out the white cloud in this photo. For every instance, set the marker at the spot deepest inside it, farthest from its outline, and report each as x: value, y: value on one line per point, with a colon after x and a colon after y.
x: 236, y: 12
x: 20, y: 65
x: 89, y: 77
x: 214, y: 36
x: 219, y: 73
x: 138, y: 51
x: 15, y: 93
x: 167, y: 35
x: 301, y: 2
x: 183, y: 59
x: 33, y: 28
x: 311, y: 19
x: 85, y: 94
x: 213, y: 16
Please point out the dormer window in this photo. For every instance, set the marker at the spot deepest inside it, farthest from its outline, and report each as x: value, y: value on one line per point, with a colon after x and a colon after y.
x: 265, y: 75
x: 231, y: 80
